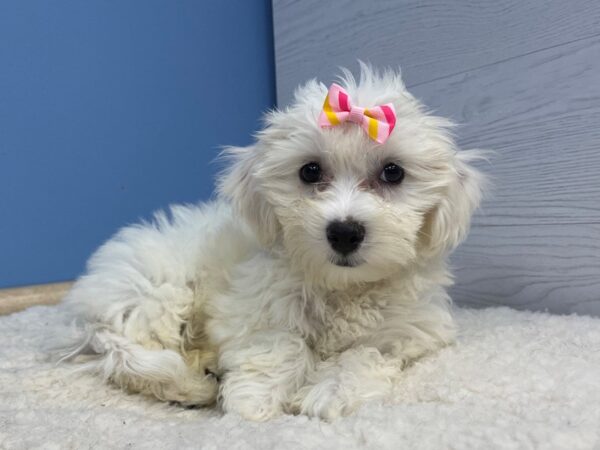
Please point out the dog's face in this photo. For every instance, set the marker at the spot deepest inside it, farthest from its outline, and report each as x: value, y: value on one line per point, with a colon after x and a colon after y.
x: 344, y: 208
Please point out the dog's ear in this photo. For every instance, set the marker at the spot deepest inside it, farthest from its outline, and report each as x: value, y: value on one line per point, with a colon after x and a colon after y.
x: 239, y: 184
x: 447, y: 224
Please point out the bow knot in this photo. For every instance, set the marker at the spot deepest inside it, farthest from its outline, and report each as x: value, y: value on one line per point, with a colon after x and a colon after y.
x: 378, y: 122
x: 356, y: 114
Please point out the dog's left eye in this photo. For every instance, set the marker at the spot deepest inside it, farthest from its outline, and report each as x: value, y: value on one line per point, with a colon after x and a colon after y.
x: 392, y: 173
x: 310, y: 173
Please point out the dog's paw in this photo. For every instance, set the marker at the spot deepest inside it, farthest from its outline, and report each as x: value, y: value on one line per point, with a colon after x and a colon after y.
x: 252, y: 408
x: 249, y: 398
x: 324, y: 400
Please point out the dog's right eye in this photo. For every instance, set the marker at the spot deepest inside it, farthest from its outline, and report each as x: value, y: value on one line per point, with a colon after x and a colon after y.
x: 311, y: 173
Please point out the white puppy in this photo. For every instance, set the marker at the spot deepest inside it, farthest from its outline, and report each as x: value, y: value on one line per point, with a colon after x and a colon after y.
x: 318, y: 274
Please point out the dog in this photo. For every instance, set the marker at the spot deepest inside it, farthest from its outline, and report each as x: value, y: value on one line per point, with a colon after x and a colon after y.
x: 313, y: 279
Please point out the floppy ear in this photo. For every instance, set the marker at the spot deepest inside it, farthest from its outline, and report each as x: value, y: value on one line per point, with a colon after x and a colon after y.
x: 447, y: 224
x: 239, y: 184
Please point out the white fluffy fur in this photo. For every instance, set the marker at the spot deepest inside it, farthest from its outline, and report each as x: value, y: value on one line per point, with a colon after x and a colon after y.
x: 238, y: 301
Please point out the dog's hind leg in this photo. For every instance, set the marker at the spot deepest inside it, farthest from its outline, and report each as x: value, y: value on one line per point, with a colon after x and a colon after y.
x: 141, y: 311
x: 142, y: 345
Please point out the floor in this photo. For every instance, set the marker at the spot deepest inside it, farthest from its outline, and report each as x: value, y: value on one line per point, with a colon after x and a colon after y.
x: 513, y: 380
x: 17, y: 299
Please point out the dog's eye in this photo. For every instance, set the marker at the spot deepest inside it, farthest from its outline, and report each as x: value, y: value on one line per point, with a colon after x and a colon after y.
x: 310, y: 173
x: 392, y: 173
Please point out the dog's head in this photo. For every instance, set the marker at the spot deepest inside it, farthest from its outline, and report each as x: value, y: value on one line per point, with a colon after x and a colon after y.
x: 344, y: 208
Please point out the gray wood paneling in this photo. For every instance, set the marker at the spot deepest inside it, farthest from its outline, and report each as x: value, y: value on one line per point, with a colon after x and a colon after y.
x: 531, y: 267
x: 541, y: 116
x: 429, y: 39
x: 522, y: 79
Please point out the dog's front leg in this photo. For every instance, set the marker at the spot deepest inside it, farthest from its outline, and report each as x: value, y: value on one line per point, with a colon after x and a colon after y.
x: 340, y: 384
x: 262, y: 371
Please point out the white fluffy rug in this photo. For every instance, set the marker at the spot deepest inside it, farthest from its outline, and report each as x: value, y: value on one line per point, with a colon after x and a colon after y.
x: 513, y: 380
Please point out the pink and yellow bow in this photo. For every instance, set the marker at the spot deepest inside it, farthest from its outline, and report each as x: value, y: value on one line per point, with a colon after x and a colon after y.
x: 378, y: 122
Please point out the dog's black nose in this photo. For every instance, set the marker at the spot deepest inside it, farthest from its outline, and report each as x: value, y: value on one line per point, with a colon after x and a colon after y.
x: 345, y: 237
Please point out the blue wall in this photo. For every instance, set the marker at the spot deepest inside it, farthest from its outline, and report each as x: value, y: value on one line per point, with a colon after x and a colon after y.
x: 112, y: 109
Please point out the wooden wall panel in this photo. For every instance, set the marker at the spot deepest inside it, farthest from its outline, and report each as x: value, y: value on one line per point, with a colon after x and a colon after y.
x: 521, y: 79
x: 540, y: 114
x: 429, y: 39
x: 554, y: 268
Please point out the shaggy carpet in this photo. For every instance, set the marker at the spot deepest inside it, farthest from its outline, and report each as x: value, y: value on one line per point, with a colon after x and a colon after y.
x: 513, y: 380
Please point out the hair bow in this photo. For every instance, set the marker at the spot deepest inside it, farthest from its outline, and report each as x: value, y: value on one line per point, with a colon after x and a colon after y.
x: 378, y: 122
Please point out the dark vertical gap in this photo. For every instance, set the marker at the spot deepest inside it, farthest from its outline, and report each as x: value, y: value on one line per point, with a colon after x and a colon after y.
x: 270, y: 42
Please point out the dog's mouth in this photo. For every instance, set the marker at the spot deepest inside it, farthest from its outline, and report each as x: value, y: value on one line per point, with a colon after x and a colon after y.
x: 346, y: 262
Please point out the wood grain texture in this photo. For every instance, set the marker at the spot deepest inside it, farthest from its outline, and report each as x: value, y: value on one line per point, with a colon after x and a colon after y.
x: 523, y: 80
x: 540, y: 114
x: 17, y: 299
x: 428, y: 39
x: 554, y: 268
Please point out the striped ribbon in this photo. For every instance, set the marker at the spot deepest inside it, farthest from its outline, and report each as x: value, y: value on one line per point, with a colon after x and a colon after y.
x: 378, y: 122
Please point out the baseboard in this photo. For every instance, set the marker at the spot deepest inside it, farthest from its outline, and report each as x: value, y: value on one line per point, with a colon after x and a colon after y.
x: 17, y: 299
